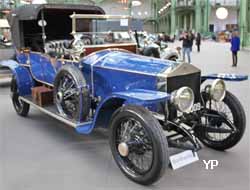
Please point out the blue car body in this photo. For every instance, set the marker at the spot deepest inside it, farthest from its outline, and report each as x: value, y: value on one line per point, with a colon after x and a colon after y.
x: 110, y: 74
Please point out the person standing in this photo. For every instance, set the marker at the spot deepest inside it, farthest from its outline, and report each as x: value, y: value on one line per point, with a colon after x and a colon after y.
x: 198, y: 41
x: 235, y: 47
x: 192, y: 37
x: 186, y: 46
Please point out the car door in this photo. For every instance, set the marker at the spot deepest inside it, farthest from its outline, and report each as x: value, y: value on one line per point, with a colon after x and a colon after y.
x: 49, y: 69
x: 36, y: 67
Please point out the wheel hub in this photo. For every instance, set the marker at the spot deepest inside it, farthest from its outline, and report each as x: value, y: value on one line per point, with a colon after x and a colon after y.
x: 59, y: 96
x: 123, y: 149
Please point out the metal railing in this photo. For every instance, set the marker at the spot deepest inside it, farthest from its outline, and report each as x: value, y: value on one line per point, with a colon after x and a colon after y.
x: 185, y: 3
x: 225, y: 2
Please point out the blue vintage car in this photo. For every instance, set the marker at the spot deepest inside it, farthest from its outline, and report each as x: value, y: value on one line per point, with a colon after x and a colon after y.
x: 86, y: 58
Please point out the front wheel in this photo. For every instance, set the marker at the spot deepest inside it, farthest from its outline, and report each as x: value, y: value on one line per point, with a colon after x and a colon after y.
x: 21, y: 107
x: 138, y: 144
x: 233, y: 111
x: 71, y: 95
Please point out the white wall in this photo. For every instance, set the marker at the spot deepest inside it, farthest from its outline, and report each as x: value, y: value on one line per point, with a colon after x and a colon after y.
x: 220, y: 25
x: 116, y: 8
x: 113, y: 7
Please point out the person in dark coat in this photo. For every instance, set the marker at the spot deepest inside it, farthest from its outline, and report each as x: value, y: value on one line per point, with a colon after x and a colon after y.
x: 235, y: 47
x: 186, y: 45
x: 198, y: 41
x: 192, y: 37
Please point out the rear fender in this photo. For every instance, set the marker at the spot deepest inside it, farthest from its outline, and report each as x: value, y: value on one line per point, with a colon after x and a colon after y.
x: 23, y: 77
x: 111, y: 103
x: 226, y: 77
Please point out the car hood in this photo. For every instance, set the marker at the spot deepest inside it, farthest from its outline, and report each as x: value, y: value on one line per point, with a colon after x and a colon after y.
x: 126, y: 61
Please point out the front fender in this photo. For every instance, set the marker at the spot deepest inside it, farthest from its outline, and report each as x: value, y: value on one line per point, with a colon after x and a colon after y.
x: 23, y: 77
x: 111, y: 103
x: 142, y: 97
x: 226, y: 77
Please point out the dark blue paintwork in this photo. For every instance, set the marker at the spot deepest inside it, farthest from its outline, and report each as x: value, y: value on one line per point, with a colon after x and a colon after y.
x: 115, y: 71
x: 114, y: 81
x: 108, y: 81
x: 37, y: 68
x: 110, y: 75
x: 22, y: 75
x: 129, y: 62
x: 135, y: 97
x: 21, y: 58
x: 49, y: 72
x: 226, y: 77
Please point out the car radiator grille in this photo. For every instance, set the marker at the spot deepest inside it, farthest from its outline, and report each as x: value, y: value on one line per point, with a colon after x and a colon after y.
x: 175, y: 82
x: 190, y: 80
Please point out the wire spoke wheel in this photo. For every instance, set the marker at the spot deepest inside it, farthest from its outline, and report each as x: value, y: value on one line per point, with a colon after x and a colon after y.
x: 71, y: 95
x: 67, y: 96
x: 140, y: 151
x: 224, y: 135
x: 138, y: 144
x: 217, y: 123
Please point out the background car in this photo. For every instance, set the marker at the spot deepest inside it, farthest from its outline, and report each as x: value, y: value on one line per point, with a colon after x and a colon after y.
x: 150, y: 45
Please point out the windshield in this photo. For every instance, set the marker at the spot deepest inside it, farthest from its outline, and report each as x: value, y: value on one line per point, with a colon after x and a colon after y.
x: 97, y: 31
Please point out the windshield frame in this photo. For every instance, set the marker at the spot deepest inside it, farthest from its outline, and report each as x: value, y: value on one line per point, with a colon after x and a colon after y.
x: 96, y: 17
x: 75, y: 16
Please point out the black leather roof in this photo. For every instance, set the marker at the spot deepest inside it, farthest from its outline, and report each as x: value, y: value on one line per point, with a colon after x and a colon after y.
x: 32, y: 12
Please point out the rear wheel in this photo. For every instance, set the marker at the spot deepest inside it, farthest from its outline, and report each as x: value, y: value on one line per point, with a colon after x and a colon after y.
x: 233, y: 111
x: 21, y: 107
x: 138, y: 144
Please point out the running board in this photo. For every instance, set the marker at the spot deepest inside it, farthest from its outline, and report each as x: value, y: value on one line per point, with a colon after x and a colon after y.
x: 52, y: 111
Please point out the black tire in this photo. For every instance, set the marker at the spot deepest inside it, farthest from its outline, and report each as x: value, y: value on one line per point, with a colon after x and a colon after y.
x: 152, y: 131
x: 238, y: 119
x: 77, y: 106
x: 22, y: 108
